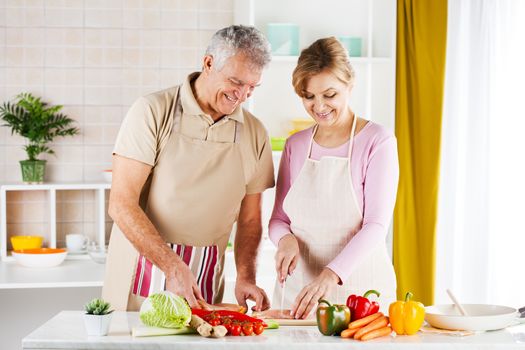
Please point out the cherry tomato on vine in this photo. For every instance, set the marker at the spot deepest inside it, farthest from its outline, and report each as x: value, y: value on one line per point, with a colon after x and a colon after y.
x: 214, y: 322
x: 235, y: 329
x: 228, y: 327
x: 258, y: 328
x: 247, y: 328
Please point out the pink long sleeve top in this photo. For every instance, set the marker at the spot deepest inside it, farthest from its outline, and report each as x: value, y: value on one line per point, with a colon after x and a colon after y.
x: 375, y: 174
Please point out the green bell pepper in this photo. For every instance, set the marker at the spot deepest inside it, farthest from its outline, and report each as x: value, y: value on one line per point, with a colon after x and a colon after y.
x: 332, y: 319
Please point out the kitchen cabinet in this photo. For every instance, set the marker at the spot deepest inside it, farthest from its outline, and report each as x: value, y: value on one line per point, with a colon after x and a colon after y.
x: 66, y: 331
x: 374, y: 21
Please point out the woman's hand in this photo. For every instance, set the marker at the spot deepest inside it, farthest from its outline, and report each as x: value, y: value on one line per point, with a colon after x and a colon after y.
x: 287, y: 256
x: 317, y: 289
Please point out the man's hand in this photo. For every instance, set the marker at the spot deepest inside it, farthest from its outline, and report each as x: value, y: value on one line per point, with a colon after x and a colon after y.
x: 317, y: 289
x: 181, y: 282
x: 247, y: 239
x: 287, y: 256
x: 246, y: 290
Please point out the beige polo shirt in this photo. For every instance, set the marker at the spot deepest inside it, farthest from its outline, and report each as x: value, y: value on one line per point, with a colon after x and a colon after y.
x: 149, y: 123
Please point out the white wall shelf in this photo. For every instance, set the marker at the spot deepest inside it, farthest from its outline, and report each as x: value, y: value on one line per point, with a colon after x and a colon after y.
x: 51, y: 190
x: 69, y: 274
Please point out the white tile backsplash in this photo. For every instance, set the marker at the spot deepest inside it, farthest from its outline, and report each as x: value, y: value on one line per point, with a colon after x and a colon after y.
x: 96, y: 57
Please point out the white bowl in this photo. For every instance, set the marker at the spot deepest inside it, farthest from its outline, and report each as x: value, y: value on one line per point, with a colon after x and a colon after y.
x: 97, y: 253
x: 481, y: 317
x: 41, y: 257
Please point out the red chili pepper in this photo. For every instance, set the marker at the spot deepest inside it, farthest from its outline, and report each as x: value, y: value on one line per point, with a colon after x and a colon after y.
x: 234, y: 315
x: 200, y: 312
x: 360, y: 306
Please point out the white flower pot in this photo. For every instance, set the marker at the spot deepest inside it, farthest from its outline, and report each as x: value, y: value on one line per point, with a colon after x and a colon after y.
x: 97, y: 325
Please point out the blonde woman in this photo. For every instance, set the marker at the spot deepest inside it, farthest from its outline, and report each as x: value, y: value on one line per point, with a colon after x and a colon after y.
x: 335, y: 194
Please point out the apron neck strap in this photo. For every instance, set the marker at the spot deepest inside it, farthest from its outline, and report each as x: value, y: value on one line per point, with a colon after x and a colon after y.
x: 351, y: 142
x: 311, y: 142
x: 352, y: 133
x: 178, y: 113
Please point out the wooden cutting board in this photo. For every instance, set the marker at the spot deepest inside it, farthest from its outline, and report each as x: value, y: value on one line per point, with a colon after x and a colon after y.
x: 267, y: 314
x: 292, y: 322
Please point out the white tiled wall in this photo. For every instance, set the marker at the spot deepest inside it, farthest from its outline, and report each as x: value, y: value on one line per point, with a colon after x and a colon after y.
x: 95, y: 57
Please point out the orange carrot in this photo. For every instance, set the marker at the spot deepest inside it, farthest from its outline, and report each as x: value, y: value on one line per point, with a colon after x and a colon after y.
x: 372, y: 326
x: 348, y: 333
x: 381, y: 332
x: 364, y: 321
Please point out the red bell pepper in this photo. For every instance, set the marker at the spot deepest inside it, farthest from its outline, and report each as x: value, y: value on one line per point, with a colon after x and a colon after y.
x: 360, y: 306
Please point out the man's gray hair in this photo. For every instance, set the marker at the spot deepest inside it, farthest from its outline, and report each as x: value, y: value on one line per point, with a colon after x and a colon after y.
x: 238, y: 38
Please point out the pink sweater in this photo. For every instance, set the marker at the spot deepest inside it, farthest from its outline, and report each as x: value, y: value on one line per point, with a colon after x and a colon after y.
x: 375, y: 173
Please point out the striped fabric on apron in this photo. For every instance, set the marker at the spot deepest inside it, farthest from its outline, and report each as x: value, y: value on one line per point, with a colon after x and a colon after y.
x: 203, y: 263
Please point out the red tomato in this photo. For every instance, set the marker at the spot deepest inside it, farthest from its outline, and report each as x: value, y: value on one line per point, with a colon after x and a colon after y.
x: 258, y: 328
x: 228, y: 327
x: 214, y: 322
x: 247, y: 328
x: 235, y: 329
x: 226, y: 320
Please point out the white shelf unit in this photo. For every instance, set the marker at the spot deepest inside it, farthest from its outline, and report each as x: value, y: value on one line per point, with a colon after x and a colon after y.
x: 69, y: 274
x: 373, y: 96
x: 51, y: 189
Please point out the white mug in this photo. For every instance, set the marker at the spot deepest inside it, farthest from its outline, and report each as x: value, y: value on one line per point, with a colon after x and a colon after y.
x: 76, y: 242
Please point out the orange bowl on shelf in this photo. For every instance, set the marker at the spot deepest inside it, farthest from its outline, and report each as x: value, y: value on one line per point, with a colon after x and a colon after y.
x: 40, y: 257
x: 26, y: 242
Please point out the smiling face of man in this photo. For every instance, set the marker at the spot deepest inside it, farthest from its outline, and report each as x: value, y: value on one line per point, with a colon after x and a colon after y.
x: 224, y: 89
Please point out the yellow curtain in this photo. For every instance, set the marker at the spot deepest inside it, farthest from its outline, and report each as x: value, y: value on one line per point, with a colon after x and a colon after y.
x: 420, y: 74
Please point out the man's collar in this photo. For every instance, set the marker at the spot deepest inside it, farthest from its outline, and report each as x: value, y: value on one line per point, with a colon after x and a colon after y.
x: 190, y: 105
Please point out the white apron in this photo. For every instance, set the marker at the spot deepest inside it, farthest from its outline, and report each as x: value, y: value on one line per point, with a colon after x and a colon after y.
x: 324, y: 214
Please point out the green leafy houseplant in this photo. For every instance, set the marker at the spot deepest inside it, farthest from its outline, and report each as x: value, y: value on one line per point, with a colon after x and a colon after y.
x: 97, y: 317
x: 98, y: 307
x: 40, y: 123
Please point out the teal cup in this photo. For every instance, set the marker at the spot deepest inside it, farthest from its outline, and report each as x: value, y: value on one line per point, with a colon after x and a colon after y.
x: 352, y: 45
x: 284, y: 38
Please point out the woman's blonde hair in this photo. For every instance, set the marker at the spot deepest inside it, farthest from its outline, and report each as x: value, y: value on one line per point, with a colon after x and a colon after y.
x: 325, y: 53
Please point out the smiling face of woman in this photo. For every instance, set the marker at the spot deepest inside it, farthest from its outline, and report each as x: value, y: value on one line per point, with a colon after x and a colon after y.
x: 325, y: 98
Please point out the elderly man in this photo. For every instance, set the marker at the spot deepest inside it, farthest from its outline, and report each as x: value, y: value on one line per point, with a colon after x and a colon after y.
x: 188, y: 163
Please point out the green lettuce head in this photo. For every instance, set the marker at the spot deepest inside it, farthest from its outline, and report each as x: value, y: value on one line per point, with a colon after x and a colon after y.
x: 165, y: 309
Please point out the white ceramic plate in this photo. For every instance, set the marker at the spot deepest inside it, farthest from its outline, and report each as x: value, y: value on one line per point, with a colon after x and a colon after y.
x: 42, y: 257
x: 77, y: 252
x: 481, y: 317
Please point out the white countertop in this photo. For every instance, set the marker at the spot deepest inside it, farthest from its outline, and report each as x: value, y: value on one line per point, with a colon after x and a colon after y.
x: 71, y: 273
x: 66, y: 331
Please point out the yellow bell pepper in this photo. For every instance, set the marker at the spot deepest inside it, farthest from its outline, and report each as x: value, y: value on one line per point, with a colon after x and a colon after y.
x: 406, y: 317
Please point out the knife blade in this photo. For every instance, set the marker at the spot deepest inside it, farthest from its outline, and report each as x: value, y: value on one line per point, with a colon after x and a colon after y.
x: 283, y: 290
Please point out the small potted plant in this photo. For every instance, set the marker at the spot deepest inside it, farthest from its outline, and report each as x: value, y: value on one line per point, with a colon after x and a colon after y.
x: 40, y: 124
x: 97, y: 317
